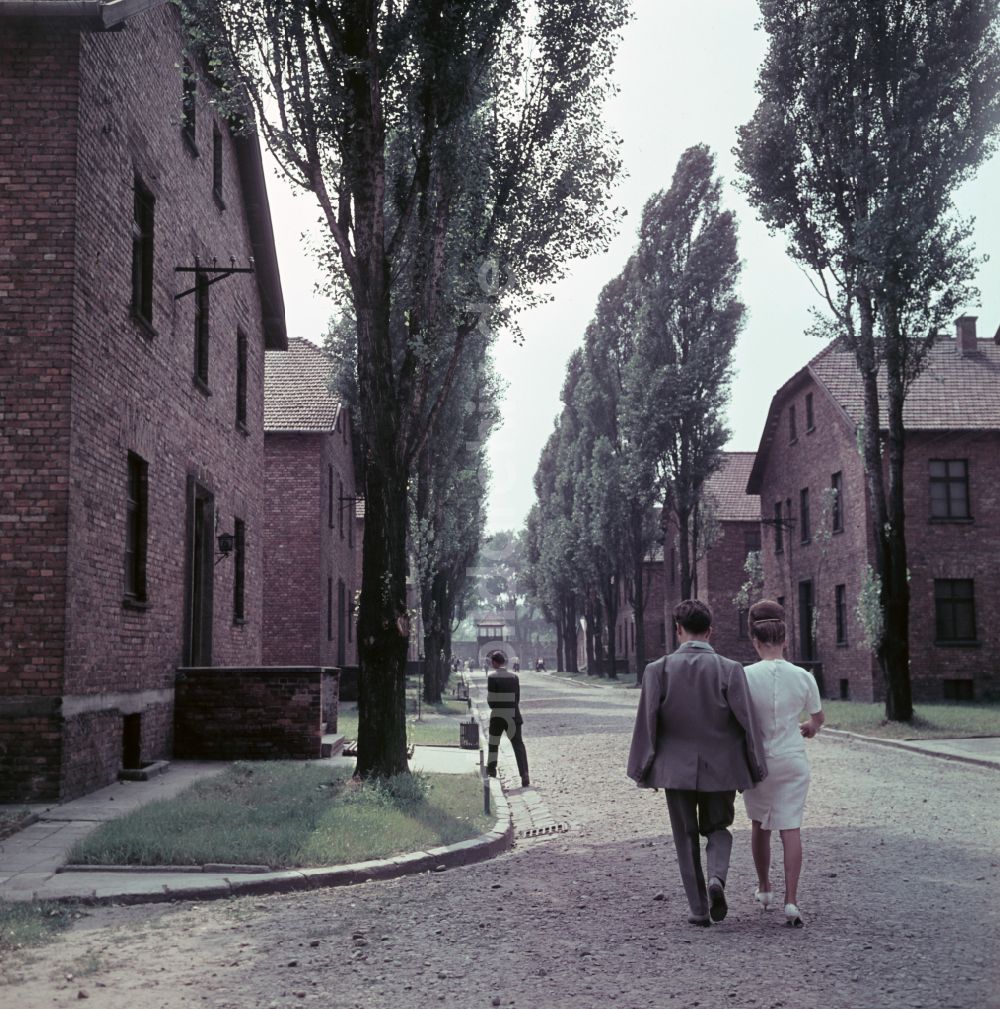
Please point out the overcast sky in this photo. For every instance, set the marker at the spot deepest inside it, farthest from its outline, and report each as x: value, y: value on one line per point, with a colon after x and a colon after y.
x: 686, y: 73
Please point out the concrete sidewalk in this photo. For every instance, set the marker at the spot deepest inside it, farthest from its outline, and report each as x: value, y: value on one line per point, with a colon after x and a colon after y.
x: 30, y: 860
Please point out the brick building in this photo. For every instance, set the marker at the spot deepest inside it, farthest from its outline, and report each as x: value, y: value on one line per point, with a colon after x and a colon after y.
x: 312, y: 542
x: 731, y: 522
x: 131, y: 395
x: 653, y: 616
x: 817, y: 545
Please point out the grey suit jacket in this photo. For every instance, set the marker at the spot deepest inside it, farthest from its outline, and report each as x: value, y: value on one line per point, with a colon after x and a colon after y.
x: 695, y: 728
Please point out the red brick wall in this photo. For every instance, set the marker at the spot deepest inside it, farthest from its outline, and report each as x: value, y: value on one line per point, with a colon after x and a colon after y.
x: 129, y: 388
x: 720, y: 575
x: 945, y: 549
x: 810, y: 462
x: 304, y: 553
x: 252, y: 714
x: 39, y: 92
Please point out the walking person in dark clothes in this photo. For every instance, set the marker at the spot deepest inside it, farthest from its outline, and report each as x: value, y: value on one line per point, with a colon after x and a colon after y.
x: 503, y: 695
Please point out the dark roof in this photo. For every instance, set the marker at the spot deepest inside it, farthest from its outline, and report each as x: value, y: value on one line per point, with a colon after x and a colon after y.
x: 297, y: 393
x: 98, y: 13
x: 954, y: 392
x: 728, y: 486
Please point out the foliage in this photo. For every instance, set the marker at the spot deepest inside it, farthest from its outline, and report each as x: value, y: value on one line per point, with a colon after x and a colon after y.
x: 685, y: 272
x: 750, y: 590
x: 869, y: 609
x: 445, y: 141
x: 871, y: 115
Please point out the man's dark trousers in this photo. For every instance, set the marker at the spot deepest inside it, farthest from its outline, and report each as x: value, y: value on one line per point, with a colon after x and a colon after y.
x: 501, y: 725
x: 694, y: 815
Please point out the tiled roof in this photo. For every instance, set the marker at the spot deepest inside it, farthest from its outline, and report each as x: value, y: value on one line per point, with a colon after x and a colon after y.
x: 728, y: 486
x: 954, y: 391
x: 297, y: 393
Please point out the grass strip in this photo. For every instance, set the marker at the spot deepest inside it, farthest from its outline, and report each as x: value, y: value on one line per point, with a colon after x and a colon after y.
x: 288, y: 814
x: 944, y: 720
x: 31, y: 923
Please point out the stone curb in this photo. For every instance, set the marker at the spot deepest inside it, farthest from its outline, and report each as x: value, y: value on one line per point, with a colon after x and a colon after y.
x: 18, y: 825
x: 468, y: 852
x: 898, y: 744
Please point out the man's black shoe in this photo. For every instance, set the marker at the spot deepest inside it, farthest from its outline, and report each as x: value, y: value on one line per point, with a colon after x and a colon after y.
x: 718, y: 908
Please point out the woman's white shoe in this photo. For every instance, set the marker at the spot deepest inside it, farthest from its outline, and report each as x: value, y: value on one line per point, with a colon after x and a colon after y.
x: 792, y: 917
x: 765, y: 898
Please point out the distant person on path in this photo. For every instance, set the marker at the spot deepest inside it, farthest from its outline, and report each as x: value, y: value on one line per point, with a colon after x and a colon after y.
x: 540, y: 666
x: 695, y: 738
x: 779, y: 691
x: 503, y: 695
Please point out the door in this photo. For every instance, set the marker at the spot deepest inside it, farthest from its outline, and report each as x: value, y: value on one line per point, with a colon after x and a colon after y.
x: 200, y: 570
x: 341, y: 623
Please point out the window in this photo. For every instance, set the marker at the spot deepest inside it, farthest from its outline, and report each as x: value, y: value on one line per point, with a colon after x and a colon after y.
x: 351, y: 518
x: 743, y: 631
x: 845, y: 690
x: 217, y: 164
x: 329, y: 609
x: 239, y: 569
x: 954, y: 609
x: 329, y: 496
x: 340, y: 507
x: 840, y: 606
x: 343, y: 429
x: 957, y: 690
x: 810, y: 419
x: 350, y: 617
x: 142, y: 253
x: 241, y: 379
x: 136, y: 528
x: 949, y: 489
x: 751, y: 541
x: 779, y: 530
x: 201, y: 329
x: 792, y: 432
x: 673, y: 565
x: 804, y: 514
x: 837, y: 486
x: 663, y: 634
x: 189, y: 101
x: 341, y: 623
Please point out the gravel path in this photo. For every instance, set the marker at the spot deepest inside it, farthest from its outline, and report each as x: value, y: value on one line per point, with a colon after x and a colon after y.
x: 899, y: 892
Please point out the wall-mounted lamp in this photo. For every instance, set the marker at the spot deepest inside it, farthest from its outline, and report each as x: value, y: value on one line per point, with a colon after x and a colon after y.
x: 226, y: 542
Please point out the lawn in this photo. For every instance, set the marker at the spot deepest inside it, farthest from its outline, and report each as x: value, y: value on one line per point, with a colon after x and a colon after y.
x: 931, y: 721
x: 623, y: 679
x: 287, y: 814
x: 426, y: 724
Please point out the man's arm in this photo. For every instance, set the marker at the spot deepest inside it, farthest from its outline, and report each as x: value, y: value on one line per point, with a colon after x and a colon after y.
x: 643, y: 748
x: 738, y: 696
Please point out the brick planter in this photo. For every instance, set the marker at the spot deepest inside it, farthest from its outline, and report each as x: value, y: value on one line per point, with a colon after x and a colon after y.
x: 253, y: 713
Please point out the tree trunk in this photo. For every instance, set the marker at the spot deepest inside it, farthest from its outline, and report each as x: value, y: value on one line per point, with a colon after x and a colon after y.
x: 383, y: 626
x: 639, y: 611
x: 591, y: 654
x: 895, y: 583
x: 600, y: 652
x: 684, y: 549
x: 569, y: 636
x: 559, y: 644
x: 610, y: 599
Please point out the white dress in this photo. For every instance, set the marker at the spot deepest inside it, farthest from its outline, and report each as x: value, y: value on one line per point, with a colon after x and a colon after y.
x: 780, y: 692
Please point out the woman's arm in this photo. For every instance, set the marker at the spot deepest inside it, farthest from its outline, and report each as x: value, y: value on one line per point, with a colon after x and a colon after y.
x: 810, y: 727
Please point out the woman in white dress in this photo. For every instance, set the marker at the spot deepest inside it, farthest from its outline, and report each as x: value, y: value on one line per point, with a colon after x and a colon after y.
x: 780, y: 692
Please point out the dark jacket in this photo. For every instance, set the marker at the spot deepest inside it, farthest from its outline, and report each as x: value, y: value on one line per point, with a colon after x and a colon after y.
x: 503, y: 694
x: 694, y: 728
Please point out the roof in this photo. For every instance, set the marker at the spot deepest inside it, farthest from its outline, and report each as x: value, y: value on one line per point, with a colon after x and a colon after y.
x: 100, y: 13
x: 297, y: 393
x: 954, y: 392
x: 728, y: 486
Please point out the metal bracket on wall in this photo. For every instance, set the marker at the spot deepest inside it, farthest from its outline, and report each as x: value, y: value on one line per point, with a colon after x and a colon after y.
x: 216, y: 273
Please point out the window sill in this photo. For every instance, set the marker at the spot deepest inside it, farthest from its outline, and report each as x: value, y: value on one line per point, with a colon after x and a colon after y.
x: 201, y: 386
x: 842, y: 644
x: 793, y: 441
x: 837, y: 532
x: 240, y: 621
x: 219, y: 201
x: 190, y: 144
x: 958, y: 644
x: 963, y: 520
x: 809, y: 430
x: 139, y: 605
x: 242, y: 428
x: 148, y: 329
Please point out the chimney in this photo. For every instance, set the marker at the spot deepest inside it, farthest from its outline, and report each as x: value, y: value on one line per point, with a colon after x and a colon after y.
x: 965, y: 334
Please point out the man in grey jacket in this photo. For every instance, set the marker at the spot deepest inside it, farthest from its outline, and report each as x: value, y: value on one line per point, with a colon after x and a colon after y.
x: 695, y: 738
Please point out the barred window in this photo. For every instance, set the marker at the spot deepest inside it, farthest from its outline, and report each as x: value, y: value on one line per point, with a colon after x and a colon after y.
x: 949, y: 489
x: 955, y: 609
